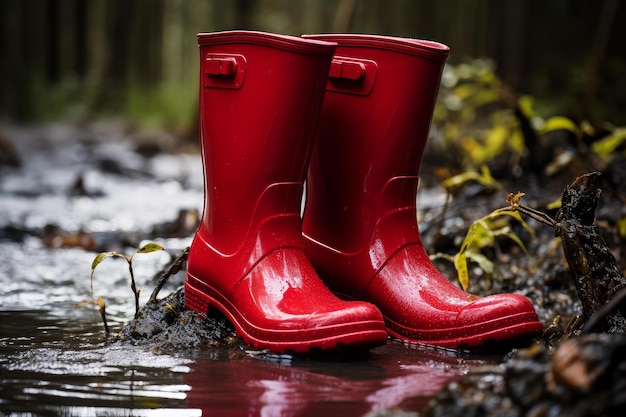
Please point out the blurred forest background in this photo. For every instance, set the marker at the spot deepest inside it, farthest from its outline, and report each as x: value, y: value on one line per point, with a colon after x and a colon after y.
x: 136, y: 60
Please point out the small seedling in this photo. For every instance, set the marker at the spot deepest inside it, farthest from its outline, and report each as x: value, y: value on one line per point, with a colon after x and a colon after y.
x: 150, y: 247
x: 482, y: 233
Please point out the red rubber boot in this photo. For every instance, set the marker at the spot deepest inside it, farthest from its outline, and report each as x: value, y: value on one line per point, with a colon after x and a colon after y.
x: 360, y: 223
x: 260, y: 99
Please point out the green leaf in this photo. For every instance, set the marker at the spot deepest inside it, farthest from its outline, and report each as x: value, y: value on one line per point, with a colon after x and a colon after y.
x: 483, y: 178
x: 525, y: 104
x: 516, y: 141
x: 605, y: 146
x: 464, y: 91
x: 150, y: 247
x: 556, y: 204
x: 497, y: 137
x: 483, y: 262
x: 485, y: 96
x: 99, y: 258
x: 469, y: 236
x: 102, y: 256
x: 515, y: 214
x: 460, y: 263
x: 560, y: 123
x: 482, y: 235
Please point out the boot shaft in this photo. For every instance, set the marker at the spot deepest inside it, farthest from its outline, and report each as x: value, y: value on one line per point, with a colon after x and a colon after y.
x: 260, y: 98
x: 373, y: 130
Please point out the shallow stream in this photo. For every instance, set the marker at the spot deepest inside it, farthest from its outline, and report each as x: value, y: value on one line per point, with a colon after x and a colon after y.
x: 83, y: 190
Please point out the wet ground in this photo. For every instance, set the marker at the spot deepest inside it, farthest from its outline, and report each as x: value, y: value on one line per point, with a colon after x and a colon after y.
x: 80, y: 191
x: 83, y: 190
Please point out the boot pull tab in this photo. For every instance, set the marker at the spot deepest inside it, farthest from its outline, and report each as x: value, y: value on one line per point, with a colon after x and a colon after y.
x: 224, y: 71
x: 351, y: 75
x: 346, y: 70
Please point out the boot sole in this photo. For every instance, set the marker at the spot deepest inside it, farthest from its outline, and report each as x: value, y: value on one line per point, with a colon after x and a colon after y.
x: 338, y: 337
x: 505, y: 332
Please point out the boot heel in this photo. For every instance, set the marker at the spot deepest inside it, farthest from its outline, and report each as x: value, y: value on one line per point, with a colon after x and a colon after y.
x: 195, y: 300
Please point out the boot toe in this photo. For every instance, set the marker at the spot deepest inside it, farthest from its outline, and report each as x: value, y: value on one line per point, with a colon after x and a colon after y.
x: 497, y: 307
x: 498, y: 319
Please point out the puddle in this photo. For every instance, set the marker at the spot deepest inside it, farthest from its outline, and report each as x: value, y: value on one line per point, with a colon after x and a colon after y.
x: 56, y: 366
x: 52, y: 366
x: 54, y: 355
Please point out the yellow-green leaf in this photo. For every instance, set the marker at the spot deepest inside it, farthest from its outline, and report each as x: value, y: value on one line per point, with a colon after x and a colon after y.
x: 482, y: 235
x: 483, y: 262
x: 516, y: 140
x: 150, y: 247
x: 517, y: 216
x: 483, y: 178
x: 460, y: 263
x: 469, y: 236
x: 559, y: 123
x: 525, y: 104
x: 99, y: 258
x: 605, y: 146
x: 497, y: 137
x: 465, y: 91
x: 556, y: 204
x: 485, y: 96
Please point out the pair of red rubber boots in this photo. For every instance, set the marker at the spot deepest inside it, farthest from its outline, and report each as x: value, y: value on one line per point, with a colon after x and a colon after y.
x: 350, y: 114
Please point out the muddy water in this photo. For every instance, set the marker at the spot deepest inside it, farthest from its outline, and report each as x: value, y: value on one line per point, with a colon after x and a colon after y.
x: 55, y: 358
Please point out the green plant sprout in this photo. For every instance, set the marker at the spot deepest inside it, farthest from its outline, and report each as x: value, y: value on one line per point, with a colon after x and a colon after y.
x: 150, y: 247
x: 482, y: 233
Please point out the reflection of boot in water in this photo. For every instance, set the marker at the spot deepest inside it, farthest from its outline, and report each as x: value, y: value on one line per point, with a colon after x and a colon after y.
x: 360, y: 223
x: 244, y: 386
x: 260, y: 99
x: 393, y: 376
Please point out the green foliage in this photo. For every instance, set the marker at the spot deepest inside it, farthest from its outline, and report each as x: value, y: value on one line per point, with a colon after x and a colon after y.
x: 475, y: 122
x: 605, y: 147
x: 482, y: 233
x: 610, y: 143
x: 560, y: 123
x: 171, y: 106
x: 478, y: 119
x: 484, y: 178
x: 148, y: 248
